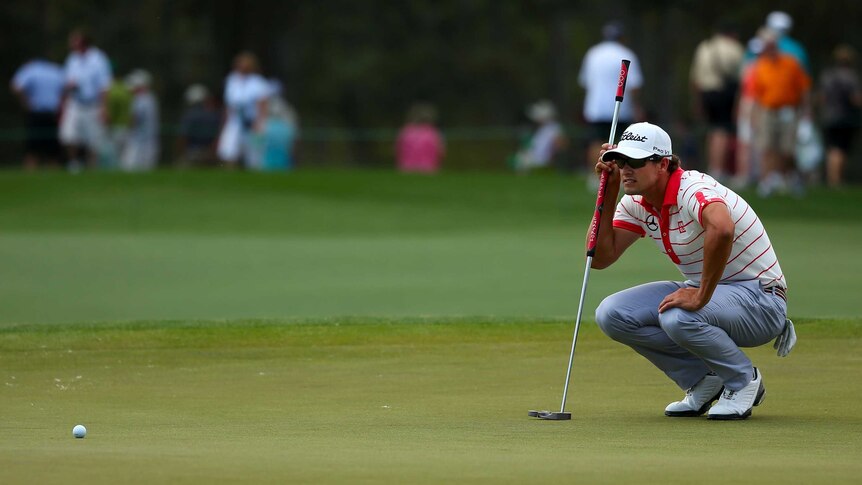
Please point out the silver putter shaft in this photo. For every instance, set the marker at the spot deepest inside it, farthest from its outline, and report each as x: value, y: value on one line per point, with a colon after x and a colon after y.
x: 563, y: 415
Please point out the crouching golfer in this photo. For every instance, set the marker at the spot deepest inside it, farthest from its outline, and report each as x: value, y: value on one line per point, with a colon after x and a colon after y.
x: 734, y: 293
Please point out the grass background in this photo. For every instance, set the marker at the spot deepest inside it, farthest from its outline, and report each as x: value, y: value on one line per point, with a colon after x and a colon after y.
x: 322, y: 244
x: 370, y: 327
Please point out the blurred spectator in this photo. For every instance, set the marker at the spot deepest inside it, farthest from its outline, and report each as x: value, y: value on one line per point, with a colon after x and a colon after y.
x: 245, y: 96
x: 840, y: 103
x: 809, y: 151
x: 781, y: 89
x: 118, y: 106
x: 279, y: 132
x: 545, y: 142
x: 781, y: 23
x: 715, y: 81
x: 419, y: 146
x: 88, y: 77
x: 599, y: 73
x: 142, y: 147
x: 199, y: 128
x: 39, y: 84
x: 747, y: 156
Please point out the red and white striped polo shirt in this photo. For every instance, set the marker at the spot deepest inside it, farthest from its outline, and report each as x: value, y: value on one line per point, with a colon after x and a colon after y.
x: 676, y: 228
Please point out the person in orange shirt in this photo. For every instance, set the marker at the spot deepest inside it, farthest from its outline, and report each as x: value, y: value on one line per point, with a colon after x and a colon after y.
x: 747, y: 157
x: 780, y: 87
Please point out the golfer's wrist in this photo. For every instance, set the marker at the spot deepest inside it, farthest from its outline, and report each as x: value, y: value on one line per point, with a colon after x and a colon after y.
x: 703, y: 296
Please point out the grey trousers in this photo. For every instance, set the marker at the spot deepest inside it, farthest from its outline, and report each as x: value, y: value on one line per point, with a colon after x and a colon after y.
x: 688, y: 345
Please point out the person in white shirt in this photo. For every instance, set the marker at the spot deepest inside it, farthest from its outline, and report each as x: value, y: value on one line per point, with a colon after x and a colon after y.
x: 245, y: 97
x: 88, y: 77
x: 599, y: 74
x: 734, y: 293
x: 39, y: 83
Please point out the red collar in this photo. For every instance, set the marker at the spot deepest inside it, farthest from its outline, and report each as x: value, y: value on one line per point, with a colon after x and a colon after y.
x: 672, y: 188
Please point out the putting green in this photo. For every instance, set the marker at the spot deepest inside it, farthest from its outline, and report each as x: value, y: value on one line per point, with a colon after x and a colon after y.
x: 195, y: 390
x: 403, y: 401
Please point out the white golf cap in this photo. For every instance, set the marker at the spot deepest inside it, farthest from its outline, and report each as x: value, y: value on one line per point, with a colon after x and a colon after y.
x: 642, y: 140
x: 779, y: 21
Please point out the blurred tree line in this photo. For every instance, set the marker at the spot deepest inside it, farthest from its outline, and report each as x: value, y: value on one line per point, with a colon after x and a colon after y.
x: 352, y: 68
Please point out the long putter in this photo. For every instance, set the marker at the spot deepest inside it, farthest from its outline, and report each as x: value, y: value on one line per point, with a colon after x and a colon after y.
x: 591, y: 250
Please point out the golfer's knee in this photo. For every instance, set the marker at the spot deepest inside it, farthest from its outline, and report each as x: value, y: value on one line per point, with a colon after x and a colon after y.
x: 611, y: 320
x: 679, y: 324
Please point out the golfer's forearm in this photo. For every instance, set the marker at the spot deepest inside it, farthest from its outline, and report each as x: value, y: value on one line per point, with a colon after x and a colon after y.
x: 604, y: 246
x: 716, y: 250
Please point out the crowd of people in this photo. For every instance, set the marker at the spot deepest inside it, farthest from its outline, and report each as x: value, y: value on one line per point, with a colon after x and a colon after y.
x: 766, y: 111
x: 769, y: 122
x: 81, y: 116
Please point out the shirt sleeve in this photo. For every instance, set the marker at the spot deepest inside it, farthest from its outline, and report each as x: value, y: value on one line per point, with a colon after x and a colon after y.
x: 105, y: 76
x: 697, y: 199
x: 626, y: 217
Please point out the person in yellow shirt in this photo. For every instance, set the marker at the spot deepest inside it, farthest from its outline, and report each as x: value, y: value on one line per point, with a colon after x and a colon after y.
x: 715, y: 73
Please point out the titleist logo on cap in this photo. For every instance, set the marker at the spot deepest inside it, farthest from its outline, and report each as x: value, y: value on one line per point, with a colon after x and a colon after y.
x: 632, y: 136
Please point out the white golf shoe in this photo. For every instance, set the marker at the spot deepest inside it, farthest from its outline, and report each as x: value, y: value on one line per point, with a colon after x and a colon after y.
x: 738, y: 404
x: 697, y: 399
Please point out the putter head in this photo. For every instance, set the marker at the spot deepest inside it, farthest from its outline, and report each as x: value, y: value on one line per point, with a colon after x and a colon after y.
x: 535, y: 414
x: 554, y: 416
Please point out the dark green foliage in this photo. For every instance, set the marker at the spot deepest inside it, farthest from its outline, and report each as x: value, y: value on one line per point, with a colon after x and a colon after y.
x: 357, y: 66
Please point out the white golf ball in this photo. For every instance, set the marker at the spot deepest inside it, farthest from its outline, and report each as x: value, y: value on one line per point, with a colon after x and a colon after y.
x: 79, y: 431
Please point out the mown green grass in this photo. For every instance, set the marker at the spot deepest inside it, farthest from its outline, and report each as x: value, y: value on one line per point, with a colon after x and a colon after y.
x: 370, y: 327
x: 109, y: 247
x: 403, y: 401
